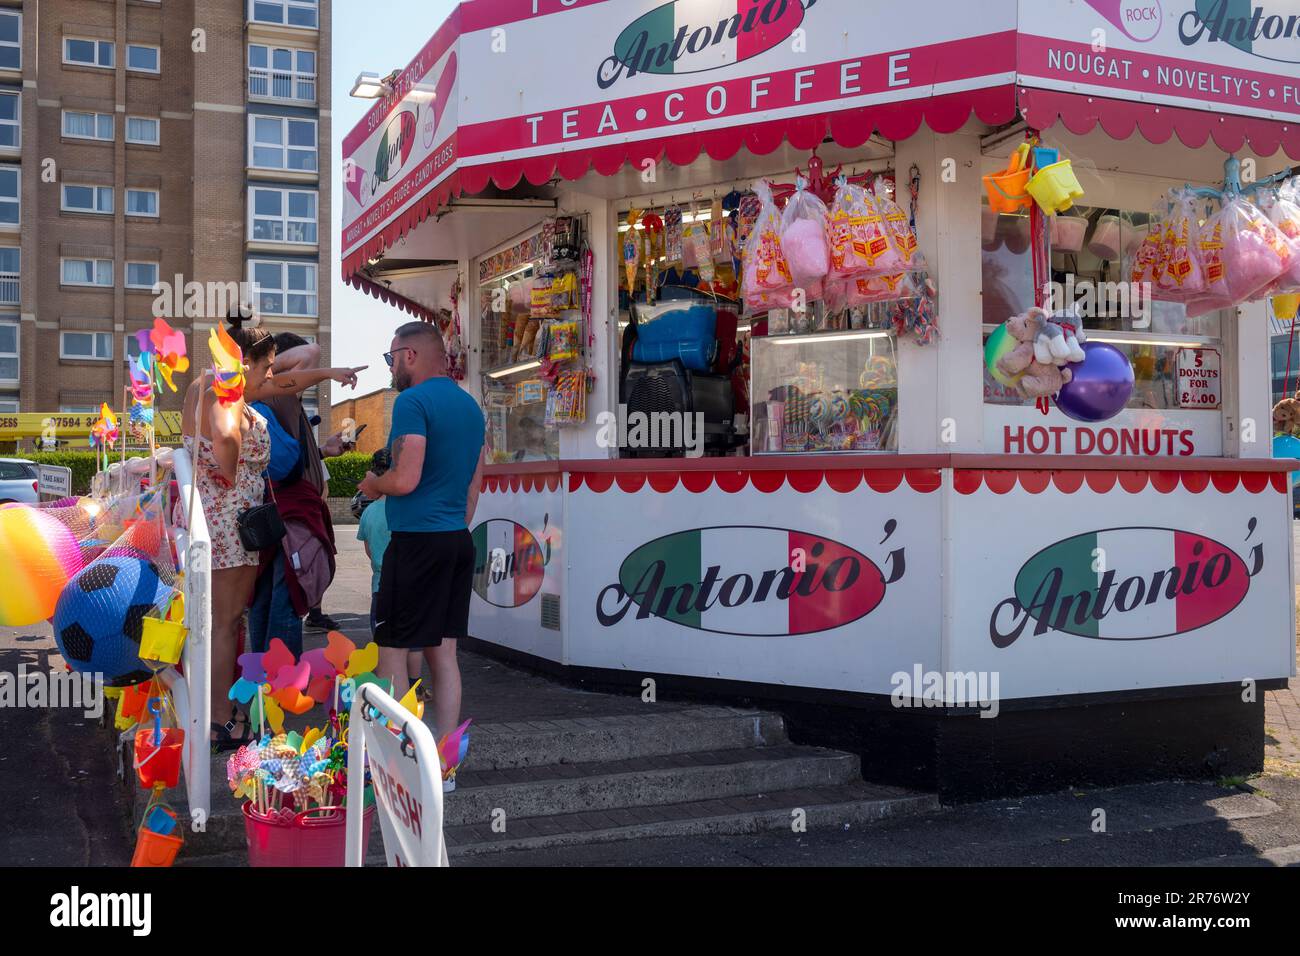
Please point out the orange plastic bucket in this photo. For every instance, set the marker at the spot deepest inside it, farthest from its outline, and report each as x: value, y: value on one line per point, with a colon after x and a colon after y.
x: 155, y: 849
x: 159, y: 763
x: 1007, y: 189
x: 134, y: 699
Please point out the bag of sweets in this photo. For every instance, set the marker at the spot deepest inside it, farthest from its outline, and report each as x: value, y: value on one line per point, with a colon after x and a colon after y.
x: 860, y: 243
x: 767, y: 279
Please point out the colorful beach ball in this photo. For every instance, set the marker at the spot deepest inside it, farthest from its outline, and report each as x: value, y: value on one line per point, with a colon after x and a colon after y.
x: 39, y: 555
x: 1001, y: 342
x: 100, y: 616
x: 1288, y: 446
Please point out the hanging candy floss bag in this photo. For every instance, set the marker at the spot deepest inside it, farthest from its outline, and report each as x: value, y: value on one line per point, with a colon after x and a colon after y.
x: 897, y: 224
x: 803, y: 239
x: 1180, y: 276
x: 1283, y: 210
x: 768, y: 282
x: 860, y: 241
x: 1252, y: 252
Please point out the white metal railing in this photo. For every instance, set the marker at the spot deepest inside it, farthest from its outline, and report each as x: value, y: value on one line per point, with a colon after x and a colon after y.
x: 9, y: 288
x: 295, y: 85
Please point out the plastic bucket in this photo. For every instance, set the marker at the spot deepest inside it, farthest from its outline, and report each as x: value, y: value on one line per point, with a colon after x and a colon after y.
x: 134, y: 699
x: 1286, y: 305
x: 1068, y: 233
x: 1055, y: 187
x: 1105, y: 242
x: 155, y: 849
x: 159, y: 763
x: 162, y: 640
x: 1007, y: 189
x: 310, y: 838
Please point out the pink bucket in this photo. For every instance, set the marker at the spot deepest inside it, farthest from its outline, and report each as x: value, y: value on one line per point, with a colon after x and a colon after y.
x: 310, y: 838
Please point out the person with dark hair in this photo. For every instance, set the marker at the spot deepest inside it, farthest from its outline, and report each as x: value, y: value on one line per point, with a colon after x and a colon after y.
x: 230, y: 447
x: 431, y: 488
x: 295, y: 575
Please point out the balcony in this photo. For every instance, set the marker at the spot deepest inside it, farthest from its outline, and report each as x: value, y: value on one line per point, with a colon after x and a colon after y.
x: 9, y: 291
x: 289, y: 86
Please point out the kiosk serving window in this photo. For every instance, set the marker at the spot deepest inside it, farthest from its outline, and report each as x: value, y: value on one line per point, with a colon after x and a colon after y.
x: 1177, y: 359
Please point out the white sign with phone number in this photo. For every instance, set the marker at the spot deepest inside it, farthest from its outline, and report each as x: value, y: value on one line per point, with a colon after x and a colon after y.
x: 1199, y: 378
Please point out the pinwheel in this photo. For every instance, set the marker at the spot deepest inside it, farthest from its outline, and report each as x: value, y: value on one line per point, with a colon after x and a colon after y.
x: 104, y: 433
x: 227, y: 367
x: 167, y: 348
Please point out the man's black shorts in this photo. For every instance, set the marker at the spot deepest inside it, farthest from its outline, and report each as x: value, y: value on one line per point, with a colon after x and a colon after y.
x: 424, y: 588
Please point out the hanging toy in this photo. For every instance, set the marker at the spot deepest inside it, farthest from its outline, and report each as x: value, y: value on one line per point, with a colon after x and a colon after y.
x: 631, y: 249
x: 653, y: 242
x: 673, y: 234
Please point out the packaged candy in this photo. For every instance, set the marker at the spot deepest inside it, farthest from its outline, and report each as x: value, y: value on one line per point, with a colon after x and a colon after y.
x: 1251, y: 252
x: 565, y: 341
x: 860, y: 243
x: 767, y: 280
x: 719, y: 239
x: 803, y: 238
x: 673, y: 233
x: 897, y: 223
x: 1181, y: 276
x: 1283, y: 210
x: 1148, y: 262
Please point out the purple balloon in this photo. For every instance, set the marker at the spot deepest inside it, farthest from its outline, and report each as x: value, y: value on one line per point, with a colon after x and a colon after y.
x: 1101, y: 384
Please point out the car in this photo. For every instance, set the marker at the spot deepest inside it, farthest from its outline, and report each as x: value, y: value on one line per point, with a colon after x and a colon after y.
x: 19, y: 481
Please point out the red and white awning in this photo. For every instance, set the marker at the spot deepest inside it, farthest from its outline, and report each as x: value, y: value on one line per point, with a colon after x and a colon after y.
x: 513, y: 90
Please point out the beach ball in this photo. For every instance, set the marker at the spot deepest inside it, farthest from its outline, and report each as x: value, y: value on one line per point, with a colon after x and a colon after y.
x: 39, y: 554
x: 1287, y: 446
x: 1101, y: 384
x: 100, y: 617
x: 1001, y: 342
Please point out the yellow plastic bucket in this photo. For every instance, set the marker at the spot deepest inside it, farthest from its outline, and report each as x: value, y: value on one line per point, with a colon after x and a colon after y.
x: 1007, y: 189
x: 162, y: 640
x: 1285, y: 306
x: 1055, y: 187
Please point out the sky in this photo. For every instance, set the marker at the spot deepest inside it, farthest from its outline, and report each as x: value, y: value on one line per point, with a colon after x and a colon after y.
x: 365, y: 42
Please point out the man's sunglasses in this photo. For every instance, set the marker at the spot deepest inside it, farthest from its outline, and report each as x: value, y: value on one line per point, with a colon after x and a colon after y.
x: 388, y: 356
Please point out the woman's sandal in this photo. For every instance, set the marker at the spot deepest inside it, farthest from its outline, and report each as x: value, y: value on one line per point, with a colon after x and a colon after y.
x: 224, y: 741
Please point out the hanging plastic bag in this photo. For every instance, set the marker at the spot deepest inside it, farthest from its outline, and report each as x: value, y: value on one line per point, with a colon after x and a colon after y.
x: 767, y: 282
x: 803, y: 238
x: 897, y: 224
x: 1243, y: 252
x: 1181, y: 274
x: 1283, y: 210
x: 673, y: 234
x: 860, y: 243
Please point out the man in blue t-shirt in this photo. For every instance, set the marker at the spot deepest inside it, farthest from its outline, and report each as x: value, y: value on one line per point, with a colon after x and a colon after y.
x: 430, y: 491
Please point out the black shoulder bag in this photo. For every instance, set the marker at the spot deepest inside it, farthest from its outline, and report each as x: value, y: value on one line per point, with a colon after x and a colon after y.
x: 261, y: 527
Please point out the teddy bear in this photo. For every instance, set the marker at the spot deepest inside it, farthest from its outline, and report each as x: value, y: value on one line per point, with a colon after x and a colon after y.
x: 1286, y: 417
x: 1036, y: 379
x: 1058, y: 343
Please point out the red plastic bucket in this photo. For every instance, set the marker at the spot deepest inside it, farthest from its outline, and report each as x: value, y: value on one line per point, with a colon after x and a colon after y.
x: 159, y: 764
x: 310, y: 838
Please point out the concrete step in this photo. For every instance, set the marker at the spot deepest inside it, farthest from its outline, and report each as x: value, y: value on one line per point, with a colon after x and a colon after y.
x: 836, y: 806
x: 565, y: 788
x: 502, y: 746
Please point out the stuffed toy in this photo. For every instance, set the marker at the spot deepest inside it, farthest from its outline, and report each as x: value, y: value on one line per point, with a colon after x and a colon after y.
x: 1034, y: 379
x: 1286, y: 417
x: 1059, y: 341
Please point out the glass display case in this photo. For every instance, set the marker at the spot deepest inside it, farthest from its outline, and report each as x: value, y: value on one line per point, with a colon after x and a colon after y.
x: 825, y: 391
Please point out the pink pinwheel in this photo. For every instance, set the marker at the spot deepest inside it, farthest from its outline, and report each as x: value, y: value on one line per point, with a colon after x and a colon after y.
x: 168, y: 347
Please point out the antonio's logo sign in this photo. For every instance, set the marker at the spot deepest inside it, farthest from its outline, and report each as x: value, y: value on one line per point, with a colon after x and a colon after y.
x: 509, y: 562
x: 749, y: 580
x: 691, y: 36
x: 1126, y: 584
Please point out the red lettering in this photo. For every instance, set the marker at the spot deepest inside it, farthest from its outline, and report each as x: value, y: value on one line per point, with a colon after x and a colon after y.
x: 1185, y: 436
x: 1057, y: 432
x: 1102, y: 441
x: 1084, y: 440
x: 1035, y: 446
x: 1009, y: 439
x: 1129, y: 441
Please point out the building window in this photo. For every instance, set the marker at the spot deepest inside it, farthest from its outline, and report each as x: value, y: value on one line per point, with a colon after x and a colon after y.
x: 282, y: 215
x: 143, y: 130
x: 282, y: 73
x: 96, y: 346
x: 143, y: 58
x: 284, y: 288
x: 8, y: 351
x: 11, y: 40
x: 293, y: 13
x: 141, y: 275
x: 94, y: 199
x: 281, y: 142
x: 10, y: 201
x: 8, y: 404
x: 88, y: 272
x: 130, y: 346
x: 10, y: 273
x: 88, y: 125
x: 79, y: 409
x: 11, y: 120
x: 88, y: 52
x: 142, y: 202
